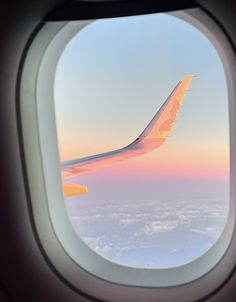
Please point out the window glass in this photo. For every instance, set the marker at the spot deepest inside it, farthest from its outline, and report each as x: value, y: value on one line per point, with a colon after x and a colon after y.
x: 164, y: 206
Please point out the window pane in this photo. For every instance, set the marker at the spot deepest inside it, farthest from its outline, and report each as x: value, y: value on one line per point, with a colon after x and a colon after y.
x: 165, y: 207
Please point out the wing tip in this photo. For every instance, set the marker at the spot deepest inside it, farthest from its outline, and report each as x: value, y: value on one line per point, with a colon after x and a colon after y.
x: 71, y: 189
x: 188, y: 77
x: 186, y: 81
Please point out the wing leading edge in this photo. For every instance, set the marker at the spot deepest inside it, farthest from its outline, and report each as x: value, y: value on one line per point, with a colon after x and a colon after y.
x: 153, y: 136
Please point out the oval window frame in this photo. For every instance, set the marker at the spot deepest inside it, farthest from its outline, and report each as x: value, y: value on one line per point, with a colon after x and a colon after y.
x: 75, y: 261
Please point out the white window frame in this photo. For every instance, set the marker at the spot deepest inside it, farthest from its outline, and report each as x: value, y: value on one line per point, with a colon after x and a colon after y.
x: 71, y: 257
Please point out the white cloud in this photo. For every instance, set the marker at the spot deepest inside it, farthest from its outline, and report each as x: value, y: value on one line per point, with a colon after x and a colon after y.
x: 129, y: 221
x: 97, y: 244
x: 154, y: 227
x: 213, y: 231
x: 128, y: 248
x: 102, y: 249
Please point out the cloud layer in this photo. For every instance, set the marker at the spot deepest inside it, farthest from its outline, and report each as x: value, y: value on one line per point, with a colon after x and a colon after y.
x: 149, y: 234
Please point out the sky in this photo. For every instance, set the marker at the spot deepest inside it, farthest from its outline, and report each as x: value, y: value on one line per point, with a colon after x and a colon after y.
x: 112, y: 78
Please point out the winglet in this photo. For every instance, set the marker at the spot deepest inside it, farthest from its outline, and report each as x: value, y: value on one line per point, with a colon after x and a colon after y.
x: 161, y: 124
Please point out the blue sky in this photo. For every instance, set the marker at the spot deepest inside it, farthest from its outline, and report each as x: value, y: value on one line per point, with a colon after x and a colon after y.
x: 128, y: 67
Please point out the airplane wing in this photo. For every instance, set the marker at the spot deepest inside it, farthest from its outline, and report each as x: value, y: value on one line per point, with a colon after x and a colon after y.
x: 153, y: 136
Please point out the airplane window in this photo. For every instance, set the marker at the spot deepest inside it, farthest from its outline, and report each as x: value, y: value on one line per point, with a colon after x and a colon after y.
x: 142, y: 124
